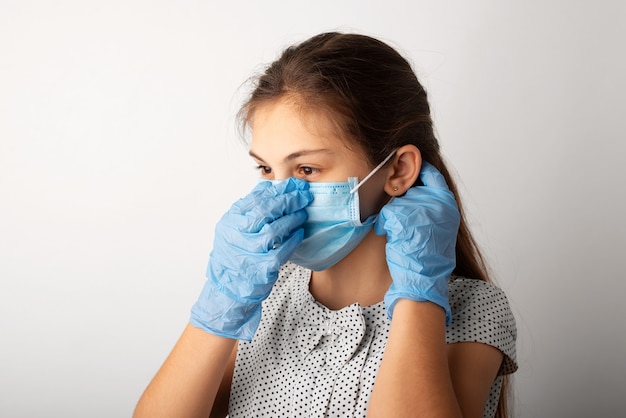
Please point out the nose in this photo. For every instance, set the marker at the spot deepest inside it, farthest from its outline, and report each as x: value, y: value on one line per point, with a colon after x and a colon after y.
x: 281, y: 174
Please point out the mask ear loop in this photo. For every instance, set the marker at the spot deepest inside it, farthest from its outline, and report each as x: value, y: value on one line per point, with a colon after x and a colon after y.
x: 378, y: 167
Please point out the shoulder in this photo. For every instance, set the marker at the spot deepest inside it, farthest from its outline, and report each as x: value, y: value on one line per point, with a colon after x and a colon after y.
x: 471, y: 297
x: 481, y: 313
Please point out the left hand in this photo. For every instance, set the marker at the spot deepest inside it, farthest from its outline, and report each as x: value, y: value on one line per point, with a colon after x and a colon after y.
x: 245, y: 259
x: 421, y: 228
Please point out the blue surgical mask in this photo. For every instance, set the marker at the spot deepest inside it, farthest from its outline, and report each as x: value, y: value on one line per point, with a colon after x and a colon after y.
x: 334, y: 227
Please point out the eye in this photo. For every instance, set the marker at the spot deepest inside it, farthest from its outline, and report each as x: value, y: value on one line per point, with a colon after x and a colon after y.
x: 265, y: 170
x: 307, y: 171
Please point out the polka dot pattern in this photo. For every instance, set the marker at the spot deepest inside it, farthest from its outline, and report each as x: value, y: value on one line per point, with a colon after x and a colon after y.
x: 481, y: 313
x: 309, y: 361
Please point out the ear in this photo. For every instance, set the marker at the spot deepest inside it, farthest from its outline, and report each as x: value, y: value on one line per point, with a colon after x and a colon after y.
x: 404, y: 170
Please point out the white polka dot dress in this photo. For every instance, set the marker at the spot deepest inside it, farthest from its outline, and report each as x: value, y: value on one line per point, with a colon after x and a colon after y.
x: 309, y: 361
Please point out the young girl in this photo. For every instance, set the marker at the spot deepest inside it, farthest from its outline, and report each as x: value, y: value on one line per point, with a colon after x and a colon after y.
x: 349, y: 277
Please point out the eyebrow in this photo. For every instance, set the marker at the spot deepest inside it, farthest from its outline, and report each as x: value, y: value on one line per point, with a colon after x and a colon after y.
x: 296, y: 154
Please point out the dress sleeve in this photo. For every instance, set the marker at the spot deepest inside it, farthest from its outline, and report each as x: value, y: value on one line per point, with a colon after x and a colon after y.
x: 481, y: 313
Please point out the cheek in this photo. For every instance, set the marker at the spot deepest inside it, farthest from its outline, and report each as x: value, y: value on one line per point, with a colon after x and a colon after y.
x: 372, y: 197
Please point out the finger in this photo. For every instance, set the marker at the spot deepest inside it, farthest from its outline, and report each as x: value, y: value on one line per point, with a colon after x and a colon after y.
x: 279, y: 230
x: 275, y: 197
x: 379, y: 225
x: 250, y: 214
x: 262, y: 190
x: 286, y: 249
x: 269, y: 189
x: 290, y: 184
x: 275, y: 207
x: 268, y: 264
x: 249, y: 201
x: 431, y: 177
x: 272, y: 235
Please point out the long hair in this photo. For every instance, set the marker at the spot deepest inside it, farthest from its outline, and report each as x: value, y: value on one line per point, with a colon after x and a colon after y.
x: 373, y: 97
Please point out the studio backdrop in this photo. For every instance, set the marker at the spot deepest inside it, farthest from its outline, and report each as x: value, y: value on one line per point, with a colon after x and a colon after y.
x: 119, y: 152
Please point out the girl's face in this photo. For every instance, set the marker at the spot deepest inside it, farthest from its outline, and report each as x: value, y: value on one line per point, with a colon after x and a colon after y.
x: 290, y: 142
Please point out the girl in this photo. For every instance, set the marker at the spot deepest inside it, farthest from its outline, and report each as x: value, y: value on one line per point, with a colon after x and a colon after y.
x: 349, y: 277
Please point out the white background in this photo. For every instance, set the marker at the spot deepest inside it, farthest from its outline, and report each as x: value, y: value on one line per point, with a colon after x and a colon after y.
x: 119, y: 153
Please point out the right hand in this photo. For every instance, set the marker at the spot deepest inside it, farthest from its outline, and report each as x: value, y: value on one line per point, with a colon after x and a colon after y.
x: 421, y: 228
x: 252, y: 240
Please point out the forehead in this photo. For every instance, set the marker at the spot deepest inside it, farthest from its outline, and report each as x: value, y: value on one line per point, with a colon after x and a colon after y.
x: 285, y: 126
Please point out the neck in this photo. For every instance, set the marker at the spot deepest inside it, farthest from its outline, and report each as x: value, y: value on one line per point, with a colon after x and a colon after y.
x: 361, y: 277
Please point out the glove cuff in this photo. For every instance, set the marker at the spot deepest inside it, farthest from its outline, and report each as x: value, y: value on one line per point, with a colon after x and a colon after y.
x: 392, y: 297
x: 216, y: 313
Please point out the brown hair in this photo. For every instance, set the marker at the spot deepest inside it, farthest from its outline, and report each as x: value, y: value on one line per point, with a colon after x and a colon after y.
x: 374, y: 98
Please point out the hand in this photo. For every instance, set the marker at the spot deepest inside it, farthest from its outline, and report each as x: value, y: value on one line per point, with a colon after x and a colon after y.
x: 421, y: 228
x: 252, y: 240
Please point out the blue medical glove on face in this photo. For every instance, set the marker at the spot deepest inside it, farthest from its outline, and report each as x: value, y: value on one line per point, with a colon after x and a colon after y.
x: 252, y: 240
x: 421, y: 228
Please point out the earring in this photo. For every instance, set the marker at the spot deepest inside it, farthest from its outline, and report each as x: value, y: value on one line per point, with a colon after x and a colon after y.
x: 395, y: 188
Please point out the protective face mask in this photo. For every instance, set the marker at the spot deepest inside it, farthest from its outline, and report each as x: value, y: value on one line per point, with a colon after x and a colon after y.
x: 333, y: 227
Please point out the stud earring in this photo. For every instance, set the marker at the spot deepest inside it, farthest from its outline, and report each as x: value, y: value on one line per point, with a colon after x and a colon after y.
x: 395, y: 188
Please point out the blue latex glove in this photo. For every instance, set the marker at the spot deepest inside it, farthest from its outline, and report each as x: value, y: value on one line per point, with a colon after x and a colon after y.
x: 421, y: 228
x: 252, y: 240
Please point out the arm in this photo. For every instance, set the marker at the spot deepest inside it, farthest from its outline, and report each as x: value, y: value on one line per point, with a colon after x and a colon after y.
x: 222, y: 399
x: 473, y: 369
x: 421, y: 227
x: 242, y: 269
x: 414, y: 378
x: 188, y: 381
x: 421, y: 376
